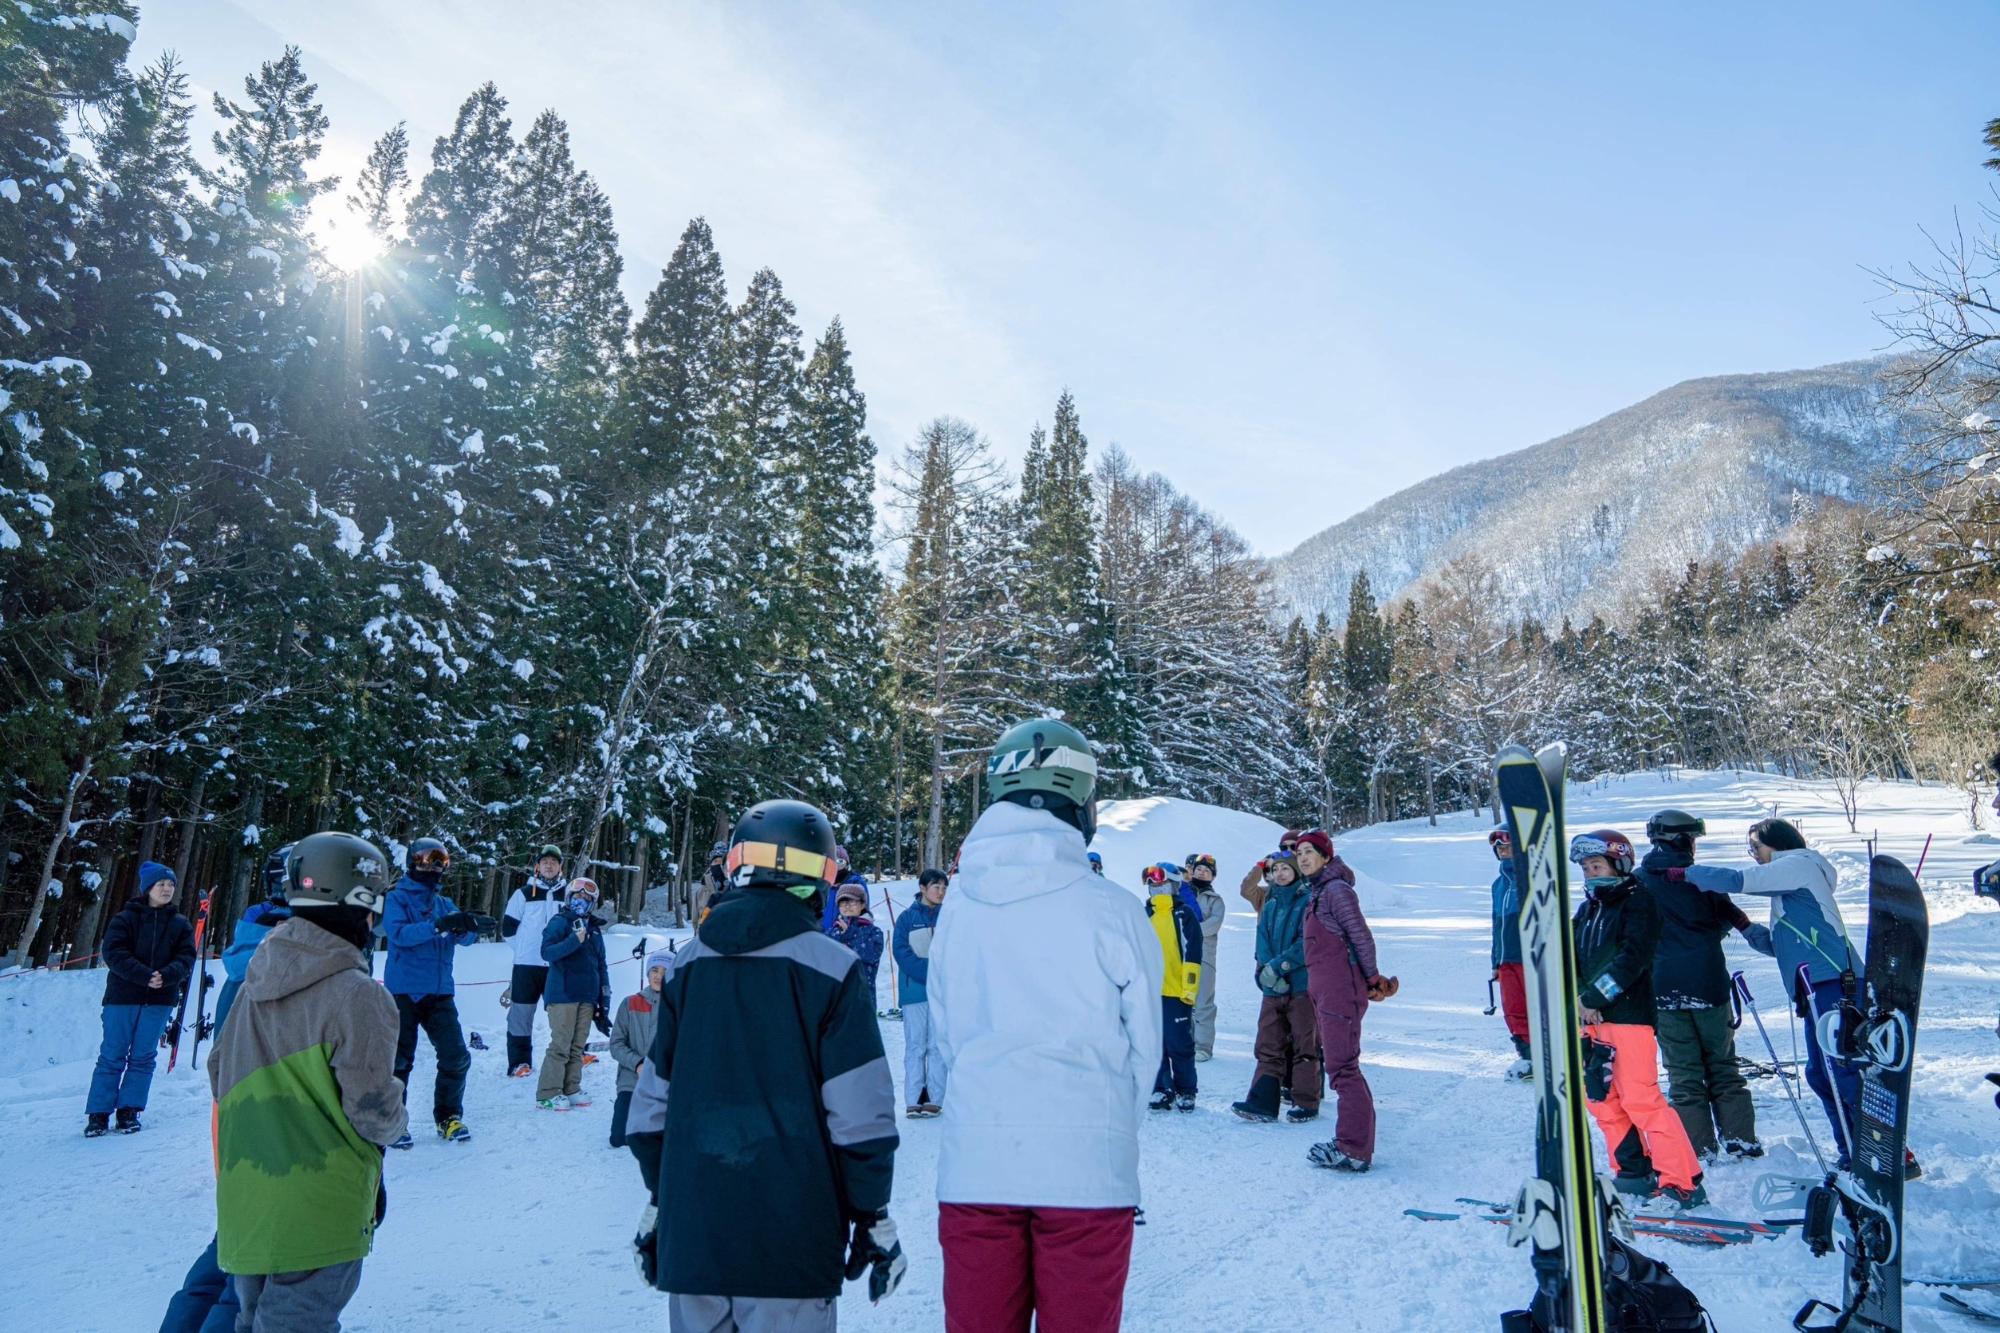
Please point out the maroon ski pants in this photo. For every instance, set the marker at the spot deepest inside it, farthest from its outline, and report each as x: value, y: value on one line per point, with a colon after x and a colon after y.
x: 1063, y: 1267
x: 1338, y: 1008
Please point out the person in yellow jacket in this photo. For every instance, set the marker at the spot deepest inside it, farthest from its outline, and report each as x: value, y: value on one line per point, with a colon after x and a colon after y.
x: 1176, y: 920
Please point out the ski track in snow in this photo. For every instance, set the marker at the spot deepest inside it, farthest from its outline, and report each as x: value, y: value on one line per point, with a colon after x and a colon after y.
x: 530, y: 1224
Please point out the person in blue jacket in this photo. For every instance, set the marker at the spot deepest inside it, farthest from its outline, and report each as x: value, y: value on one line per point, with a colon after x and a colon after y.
x: 1506, y: 953
x: 578, y: 996
x: 923, y: 1062
x: 853, y: 927
x: 424, y: 928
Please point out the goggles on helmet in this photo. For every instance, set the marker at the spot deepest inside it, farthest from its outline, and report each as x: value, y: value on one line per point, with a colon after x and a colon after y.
x: 431, y: 858
x: 1154, y: 876
x: 789, y: 860
x: 1202, y: 859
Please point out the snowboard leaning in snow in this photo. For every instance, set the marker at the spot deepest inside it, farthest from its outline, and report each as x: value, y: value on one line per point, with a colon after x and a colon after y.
x: 1558, y: 1212
x: 1878, y: 1036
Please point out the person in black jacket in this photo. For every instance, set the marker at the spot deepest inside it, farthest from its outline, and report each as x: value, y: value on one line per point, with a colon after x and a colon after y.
x: 1691, y: 990
x: 771, y: 1159
x: 1616, y: 932
x: 148, y: 957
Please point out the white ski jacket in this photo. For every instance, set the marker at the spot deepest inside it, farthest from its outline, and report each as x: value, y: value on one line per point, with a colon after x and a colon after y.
x: 1045, y: 997
x: 529, y: 919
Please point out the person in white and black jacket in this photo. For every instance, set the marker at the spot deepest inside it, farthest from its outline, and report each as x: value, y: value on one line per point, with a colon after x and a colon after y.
x: 764, y: 1119
x: 527, y: 916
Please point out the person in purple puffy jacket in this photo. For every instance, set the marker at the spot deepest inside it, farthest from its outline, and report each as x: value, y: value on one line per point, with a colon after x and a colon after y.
x: 1343, y: 978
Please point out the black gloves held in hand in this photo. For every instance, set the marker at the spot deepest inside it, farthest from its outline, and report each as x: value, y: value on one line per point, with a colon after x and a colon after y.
x: 876, y: 1251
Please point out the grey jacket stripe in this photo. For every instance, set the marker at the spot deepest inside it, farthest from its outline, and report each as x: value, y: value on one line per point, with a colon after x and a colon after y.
x: 810, y: 949
x: 648, y: 1113
x: 860, y: 1104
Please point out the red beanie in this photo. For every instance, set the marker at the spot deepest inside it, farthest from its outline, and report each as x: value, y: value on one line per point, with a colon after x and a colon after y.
x: 1318, y: 841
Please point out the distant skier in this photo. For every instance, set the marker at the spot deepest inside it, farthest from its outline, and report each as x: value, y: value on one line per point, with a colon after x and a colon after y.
x: 1691, y: 993
x: 632, y: 1032
x: 1201, y: 878
x: 1287, y: 1031
x: 924, y: 1070
x: 1096, y: 863
x: 578, y: 996
x: 1810, y: 942
x: 712, y: 883
x: 1045, y: 987
x: 424, y: 929
x: 148, y: 957
x: 1506, y: 953
x: 853, y: 927
x: 1616, y: 931
x: 1176, y: 922
x: 1344, y: 980
x: 773, y: 1152
x: 1252, y: 889
x: 526, y: 917
x: 307, y: 1097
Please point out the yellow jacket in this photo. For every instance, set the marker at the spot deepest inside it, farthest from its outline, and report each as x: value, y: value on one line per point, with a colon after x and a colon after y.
x: 1180, y: 946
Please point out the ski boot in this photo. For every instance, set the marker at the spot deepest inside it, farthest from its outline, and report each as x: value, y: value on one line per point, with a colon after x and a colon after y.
x: 1184, y: 1102
x: 1521, y: 1071
x: 1333, y: 1159
x: 97, y: 1124
x: 1260, y: 1105
x: 1299, y: 1115
x: 128, y: 1121
x: 1674, y: 1197
x: 405, y: 1143
x: 1162, y: 1101
x: 1741, y: 1150
x: 1639, y: 1185
x: 453, y: 1131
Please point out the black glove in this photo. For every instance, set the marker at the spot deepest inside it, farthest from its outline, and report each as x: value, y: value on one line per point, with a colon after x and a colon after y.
x: 876, y: 1251
x: 1597, y: 1062
x: 457, y: 923
x: 600, y: 1018
x: 646, y: 1244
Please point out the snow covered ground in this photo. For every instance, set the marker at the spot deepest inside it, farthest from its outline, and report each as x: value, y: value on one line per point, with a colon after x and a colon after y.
x: 530, y: 1223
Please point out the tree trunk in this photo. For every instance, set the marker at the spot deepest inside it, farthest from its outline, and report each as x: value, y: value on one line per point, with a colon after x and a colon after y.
x: 149, y: 819
x: 934, y: 831
x: 84, y: 941
x: 635, y: 879
x: 190, y: 831
x: 56, y: 841
x: 896, y: 795
x: 247, y: 863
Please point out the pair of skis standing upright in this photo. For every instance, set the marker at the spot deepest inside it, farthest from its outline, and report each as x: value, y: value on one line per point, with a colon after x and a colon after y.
x: 197, y: 986
x: 1562, y: 1215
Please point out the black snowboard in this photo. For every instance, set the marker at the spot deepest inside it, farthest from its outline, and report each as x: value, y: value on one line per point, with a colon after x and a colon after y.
x: 1879, y: 1038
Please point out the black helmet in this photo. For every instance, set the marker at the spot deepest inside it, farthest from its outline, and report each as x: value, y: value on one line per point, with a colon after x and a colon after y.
x: 275, y: 876
x: 337, y: 869
x: 782, y: 845
x: 1670, y: 826
x: 428, y: 854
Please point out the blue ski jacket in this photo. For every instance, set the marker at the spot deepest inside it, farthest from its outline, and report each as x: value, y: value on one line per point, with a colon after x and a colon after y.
x: 915, y: 925
x: 258, y: 922
x: 419, y: 958
x: 578, y: 973
x: 1281, y: 934
x: 1506, y: 915
x: 1806, y: 929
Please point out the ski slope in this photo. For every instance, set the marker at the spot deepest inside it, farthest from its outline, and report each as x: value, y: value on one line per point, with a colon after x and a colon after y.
x: 530, y: 1223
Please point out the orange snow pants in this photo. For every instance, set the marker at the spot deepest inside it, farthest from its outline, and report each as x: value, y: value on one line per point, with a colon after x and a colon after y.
x: 1635, y: 1106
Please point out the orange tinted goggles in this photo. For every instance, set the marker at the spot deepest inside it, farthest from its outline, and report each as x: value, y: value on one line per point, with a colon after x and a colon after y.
x: 435, y: 858
x: 774, y: 856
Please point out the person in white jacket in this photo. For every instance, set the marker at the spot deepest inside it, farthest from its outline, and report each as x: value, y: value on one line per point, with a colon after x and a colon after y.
x: 527, y: 915
x: 1044, y: 991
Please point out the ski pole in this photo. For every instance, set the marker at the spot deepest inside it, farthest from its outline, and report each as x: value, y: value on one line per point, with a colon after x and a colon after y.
x: 1742, y: 987
x: 1843, y: 1122
x: 1490, y: 1005
x: 1921, y: 856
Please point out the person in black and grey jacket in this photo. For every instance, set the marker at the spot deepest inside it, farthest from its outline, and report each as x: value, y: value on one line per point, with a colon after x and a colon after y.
x: 765, y: 1108
x: 527, y: 916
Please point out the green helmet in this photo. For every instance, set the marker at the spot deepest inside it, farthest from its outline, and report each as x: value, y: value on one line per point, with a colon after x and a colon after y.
x: 337, y: 869
x: 1046, y: 755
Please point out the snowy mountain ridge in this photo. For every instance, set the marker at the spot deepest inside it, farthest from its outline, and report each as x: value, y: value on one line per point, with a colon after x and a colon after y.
x: 1580, y: 523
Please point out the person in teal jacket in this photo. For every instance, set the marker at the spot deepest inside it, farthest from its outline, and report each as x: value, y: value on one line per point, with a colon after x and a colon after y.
x: 1287, y: 1029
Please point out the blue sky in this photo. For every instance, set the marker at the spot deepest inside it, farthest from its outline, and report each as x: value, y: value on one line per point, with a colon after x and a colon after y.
x: 1293, y: 256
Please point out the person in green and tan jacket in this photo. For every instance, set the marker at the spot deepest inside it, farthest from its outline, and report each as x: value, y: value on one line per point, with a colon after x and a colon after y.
x: 307, y: 1097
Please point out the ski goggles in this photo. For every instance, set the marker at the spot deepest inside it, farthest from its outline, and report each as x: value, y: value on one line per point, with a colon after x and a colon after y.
x: 1154, y: 876
x: 1282, y: 854
x: 789, y: 860
x: 1202, y: 860
x: 1585, y: 845
x: 431, y: 858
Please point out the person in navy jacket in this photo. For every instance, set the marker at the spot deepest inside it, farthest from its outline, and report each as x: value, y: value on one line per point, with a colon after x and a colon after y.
x: 148, y: 956
x: 424, y: 929
x: 579, y: 994
x: 923, y: 1064
x: 853, y: 927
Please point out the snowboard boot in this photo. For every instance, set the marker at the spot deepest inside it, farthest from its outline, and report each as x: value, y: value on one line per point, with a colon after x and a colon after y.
x: 1260, y: 1104
x: 405, y: 1143
x: 578, y: 1100
x: 1679, y: 1199
x: 1642, y: 1185
x: 1184, y: 1102
x: 1333, y: 1159
x: 1521, y: 1071
x: 453, y: 1130
x: 1742, y: 1149
x: 555, y: 1103
x: 97, y: 1124
x: 128, y: 1121
x: 1162, y: 1101
x: 1299, y: 1115
x: 522, y: 1070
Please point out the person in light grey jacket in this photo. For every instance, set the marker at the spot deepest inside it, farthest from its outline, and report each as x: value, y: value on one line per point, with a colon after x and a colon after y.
x: 1201, y: 877
x: 632, y: 1036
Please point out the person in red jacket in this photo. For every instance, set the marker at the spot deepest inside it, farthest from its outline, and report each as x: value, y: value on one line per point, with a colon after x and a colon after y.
x: 1343, y: 978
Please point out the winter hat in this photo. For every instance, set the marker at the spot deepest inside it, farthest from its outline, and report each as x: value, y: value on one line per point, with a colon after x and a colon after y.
x: 1290, y: 838
x: 1318, y: 841
x: 548, y: 850
x: 151, y: 873
x: 659, y: 958
x: 854, y: 891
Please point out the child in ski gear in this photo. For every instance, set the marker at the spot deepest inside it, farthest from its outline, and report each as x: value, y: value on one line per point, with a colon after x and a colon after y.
x: 1287, y: 1030
x: 1507, y: 951
x: 1617, y: 931
x: 579, y: 995
x: 1177, y: 924
x: 765, y: 1029
x: 148, y: 957
x: 632, y: 1036
x: 1809, y: 940
x: 857, y: 930
x: 1096, y: 863
x: 1201, y: 879
x: 305, y: 1068
x: 1691, y: 993
x: 524, y: 922
x: 259, y: 921
x: 1255, y: 879
x: 1343, y: 979
x: 1045, y: 990
x: 424, y: 929
x: 924, y: 1070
